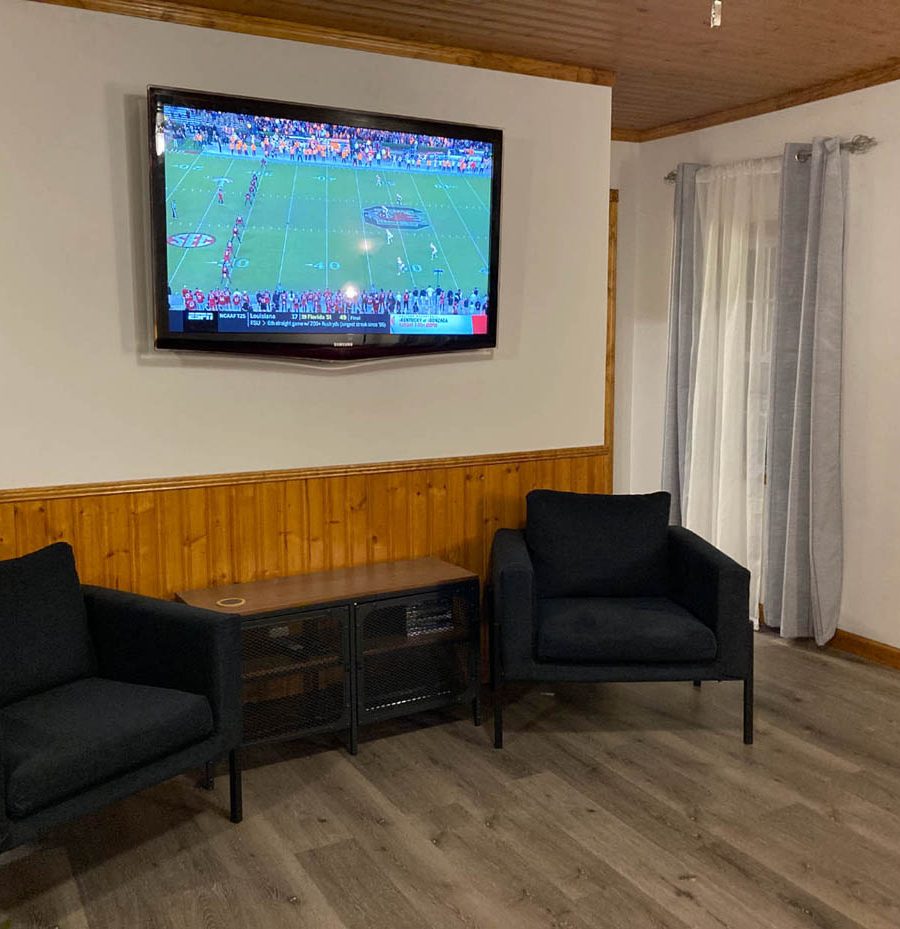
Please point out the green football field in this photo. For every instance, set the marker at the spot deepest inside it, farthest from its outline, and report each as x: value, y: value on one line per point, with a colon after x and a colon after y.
x: 306, y: 229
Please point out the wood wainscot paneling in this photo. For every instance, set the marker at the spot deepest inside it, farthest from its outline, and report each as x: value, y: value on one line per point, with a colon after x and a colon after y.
x: 156, y: 537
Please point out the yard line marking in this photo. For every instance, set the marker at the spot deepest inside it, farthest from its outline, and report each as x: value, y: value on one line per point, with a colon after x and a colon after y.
x: 405, y: 252
x: 434, y: 230
x: 326, y: 227
x: 183, y: 176
x: 481, y: 202
x: 200, y: 224
x: 287, y: 227
x: 474, y: 243
x: 363, y: 226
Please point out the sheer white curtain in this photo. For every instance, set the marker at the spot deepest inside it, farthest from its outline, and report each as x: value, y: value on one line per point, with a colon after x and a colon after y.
x: 736, y: 229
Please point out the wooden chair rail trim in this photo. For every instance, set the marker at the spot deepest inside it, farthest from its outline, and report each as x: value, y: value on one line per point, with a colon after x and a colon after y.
x: 103, y: 489
x: 186, y: 14
x: 870, y: 649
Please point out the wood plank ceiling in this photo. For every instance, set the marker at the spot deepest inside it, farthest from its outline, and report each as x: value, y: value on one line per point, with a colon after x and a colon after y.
x: 672, y: 72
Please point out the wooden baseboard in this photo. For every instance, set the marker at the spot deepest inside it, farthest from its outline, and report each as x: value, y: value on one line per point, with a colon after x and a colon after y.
x: 870, y: 649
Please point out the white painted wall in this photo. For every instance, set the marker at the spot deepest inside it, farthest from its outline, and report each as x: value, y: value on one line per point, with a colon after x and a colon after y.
x: 84, y: 399
x: 871, y: 416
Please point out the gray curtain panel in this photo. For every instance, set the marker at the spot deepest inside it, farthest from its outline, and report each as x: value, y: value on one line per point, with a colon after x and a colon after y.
x: 679, y: 372
x: 804, y: 551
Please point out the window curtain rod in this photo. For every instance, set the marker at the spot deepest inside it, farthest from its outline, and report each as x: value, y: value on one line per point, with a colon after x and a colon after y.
x: 858, y: 145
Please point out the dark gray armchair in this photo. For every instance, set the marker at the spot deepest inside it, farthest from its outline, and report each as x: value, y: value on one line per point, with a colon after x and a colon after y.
x: 104, y: 693
x: 600, y: 588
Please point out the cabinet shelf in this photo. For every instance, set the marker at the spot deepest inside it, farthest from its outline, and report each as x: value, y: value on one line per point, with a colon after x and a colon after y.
x: 276, y: 666
x: 394, y: 643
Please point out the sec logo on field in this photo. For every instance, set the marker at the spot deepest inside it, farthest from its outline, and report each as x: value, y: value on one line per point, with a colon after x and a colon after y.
x: 191, y: 239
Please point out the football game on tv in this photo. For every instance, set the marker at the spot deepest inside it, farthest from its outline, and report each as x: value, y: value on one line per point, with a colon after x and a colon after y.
x: 296, y: 226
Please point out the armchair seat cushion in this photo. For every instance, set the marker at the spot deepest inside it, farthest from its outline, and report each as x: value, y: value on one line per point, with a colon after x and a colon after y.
x: 71, y: 738
x: 607, y: 630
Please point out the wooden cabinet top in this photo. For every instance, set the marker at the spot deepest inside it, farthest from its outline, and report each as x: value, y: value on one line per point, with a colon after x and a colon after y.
x: 304, y: 590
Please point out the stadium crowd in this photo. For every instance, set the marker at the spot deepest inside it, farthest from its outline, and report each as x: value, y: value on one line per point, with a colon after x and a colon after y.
x: 428, y: 300
x: 302, y: 140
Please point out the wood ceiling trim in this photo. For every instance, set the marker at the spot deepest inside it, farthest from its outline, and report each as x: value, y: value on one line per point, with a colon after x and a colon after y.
x: 627, y: 135
x: 188, y: 15
x: 845, y: 85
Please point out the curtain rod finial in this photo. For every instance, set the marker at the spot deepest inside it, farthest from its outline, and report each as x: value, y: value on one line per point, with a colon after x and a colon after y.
x: 671, y: 177
x: 860, y: 144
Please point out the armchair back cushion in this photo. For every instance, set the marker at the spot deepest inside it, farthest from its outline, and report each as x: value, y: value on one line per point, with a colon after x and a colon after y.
x: 44, y: 638
x: 598, y: 545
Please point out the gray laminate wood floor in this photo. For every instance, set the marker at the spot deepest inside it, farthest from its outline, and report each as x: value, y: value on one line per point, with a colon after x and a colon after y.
x: 629, y: 806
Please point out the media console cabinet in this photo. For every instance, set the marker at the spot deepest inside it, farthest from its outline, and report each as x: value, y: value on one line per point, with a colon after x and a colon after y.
x: 336, y: 649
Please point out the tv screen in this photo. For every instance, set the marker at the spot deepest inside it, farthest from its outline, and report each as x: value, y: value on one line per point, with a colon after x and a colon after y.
x: 290, y: 229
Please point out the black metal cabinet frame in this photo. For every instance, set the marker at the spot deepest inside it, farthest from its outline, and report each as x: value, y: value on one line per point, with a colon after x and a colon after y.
x: 399, y: 653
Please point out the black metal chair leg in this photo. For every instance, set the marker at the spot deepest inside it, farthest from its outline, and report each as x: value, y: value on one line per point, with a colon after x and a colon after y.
x: 698, y: 683
x: 476, y: 710
x: 209, y: 776
x: 748, y: 711
x: 498, y: 718
x: 234, y: 775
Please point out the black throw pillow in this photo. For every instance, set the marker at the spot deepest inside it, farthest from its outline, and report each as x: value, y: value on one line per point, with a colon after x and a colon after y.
x: 598, y: 545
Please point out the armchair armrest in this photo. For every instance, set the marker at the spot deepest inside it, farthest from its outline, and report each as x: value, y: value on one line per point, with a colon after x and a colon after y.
x: 143, y: 640
x: 512, y: 576
x: 716, y: 589
x: 4, y: 822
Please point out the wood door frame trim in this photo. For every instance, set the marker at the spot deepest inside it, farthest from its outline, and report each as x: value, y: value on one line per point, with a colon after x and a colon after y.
x: 186, y: 14
x: 609, y: 397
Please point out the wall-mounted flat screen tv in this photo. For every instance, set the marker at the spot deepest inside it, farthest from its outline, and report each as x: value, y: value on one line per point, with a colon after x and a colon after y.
x: 289, y: 229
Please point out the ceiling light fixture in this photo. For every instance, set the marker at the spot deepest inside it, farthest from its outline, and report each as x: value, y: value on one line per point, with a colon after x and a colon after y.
x: 715, y: 14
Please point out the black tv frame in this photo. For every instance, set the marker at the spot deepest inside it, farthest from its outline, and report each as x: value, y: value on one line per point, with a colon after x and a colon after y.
x: 315, y: 346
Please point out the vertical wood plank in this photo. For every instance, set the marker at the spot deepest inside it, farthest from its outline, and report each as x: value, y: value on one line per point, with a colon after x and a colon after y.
x: 296, y: 528
x: 219, y: 510
x: 356, y: 514
x: 117, y: 518
x: 398, y: 508
x: 196, y: 522
x: 335, y: 522
x: 271, y: 526
x: 473, y: 507
x: 173, y: 542
x: 32, y: 529
x: 456, y: 521
x: 438, y: 513
x: 528, y: 480
x: 89, y: 539
x: 580, y: 476
x: 417, y: 482
x: 315, y: 502
x: 146, y: 557
x: 379, y: 522
x: 60, y: 520
x: 562, y: 474
x: 8, y: 548
x: 245, y: 534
